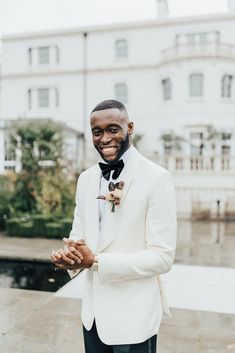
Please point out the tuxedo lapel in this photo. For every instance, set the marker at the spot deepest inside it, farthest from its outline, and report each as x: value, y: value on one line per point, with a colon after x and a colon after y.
x: 92, y: 209
x: 109, y: 229
x: 129, y: 171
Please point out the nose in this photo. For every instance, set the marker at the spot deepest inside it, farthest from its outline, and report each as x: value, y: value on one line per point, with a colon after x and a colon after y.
x: 106, y: 138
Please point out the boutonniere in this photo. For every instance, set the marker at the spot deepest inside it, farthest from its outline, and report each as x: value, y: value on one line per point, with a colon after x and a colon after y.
x: 114, y: 195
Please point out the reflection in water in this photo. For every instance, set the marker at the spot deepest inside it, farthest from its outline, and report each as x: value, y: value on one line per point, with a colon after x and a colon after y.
x: 199, y: 243
x: 31, y: 275
x: 206, y: 243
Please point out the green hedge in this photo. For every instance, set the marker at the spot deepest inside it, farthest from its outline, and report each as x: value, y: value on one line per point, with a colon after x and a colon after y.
x: 38, y: 226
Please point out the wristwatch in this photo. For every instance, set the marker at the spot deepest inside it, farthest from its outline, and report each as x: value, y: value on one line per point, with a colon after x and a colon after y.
x: 94, y: 266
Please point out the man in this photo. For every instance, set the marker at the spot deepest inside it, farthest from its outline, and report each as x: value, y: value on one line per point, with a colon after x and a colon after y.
x: 127, y: 238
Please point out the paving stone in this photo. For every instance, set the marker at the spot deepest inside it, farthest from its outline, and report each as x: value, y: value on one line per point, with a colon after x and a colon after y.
x: 38, y: 322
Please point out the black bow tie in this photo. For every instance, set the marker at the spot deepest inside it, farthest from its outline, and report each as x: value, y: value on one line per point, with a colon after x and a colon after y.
x: 107, y: 168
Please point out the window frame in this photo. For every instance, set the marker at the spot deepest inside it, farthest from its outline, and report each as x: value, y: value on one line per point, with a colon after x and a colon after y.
x: 227, y: 87
x: 40, y: 98
x: 29, y: 98
x: 30, y: 61
x: 196, y: 89
x: 166, y: 89
x: 121, y: 48
x: 41, y: 55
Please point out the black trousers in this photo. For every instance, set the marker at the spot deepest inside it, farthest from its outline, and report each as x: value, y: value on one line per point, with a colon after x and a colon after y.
x: 93, y: 344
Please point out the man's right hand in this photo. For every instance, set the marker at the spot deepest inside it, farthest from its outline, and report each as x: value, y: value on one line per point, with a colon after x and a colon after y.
x: 68, y: 257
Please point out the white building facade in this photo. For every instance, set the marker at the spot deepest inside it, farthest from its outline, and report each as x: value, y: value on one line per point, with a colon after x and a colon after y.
x: 175, y: 75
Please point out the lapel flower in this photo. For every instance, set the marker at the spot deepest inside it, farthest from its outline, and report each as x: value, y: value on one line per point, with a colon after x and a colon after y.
x: 114, y: 195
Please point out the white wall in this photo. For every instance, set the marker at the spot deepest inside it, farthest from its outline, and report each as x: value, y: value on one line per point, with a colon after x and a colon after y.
x: 142, y: 71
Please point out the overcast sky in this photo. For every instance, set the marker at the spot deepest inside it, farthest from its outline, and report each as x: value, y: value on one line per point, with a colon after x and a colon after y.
x: 33, y: 15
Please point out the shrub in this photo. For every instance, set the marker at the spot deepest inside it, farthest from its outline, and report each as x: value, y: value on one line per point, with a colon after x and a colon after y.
x: 5, y: 192
x: 4, y: 214
x: 66, y: 226
x: 54, y: 230
x: 39, y: 224
x: 12, y: 226
x: 19, y: 227
x: 26, y: 230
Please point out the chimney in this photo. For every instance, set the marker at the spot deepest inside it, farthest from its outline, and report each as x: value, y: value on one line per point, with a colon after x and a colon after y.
x: 162, y: 7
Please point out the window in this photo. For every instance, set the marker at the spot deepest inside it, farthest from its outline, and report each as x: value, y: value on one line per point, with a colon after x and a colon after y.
x: 121, y: 92
x: 191, y: 38
x: 121, y: 48
x: 196, y: 85
x: 44, y: 55
x: 201, y: 38
x: 168, y: 149
x: 57, y: 97
x: 30, y: 56
x: 226, y: 88
x: 225, y: 150
x: 29, y: 98
x: 57, y: 52
x: 197, y: 143
x: 43, y: 98
x: 166, y: 89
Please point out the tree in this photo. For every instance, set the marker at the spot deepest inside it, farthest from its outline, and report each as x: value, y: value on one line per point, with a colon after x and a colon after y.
x: 42, y: 186
x: 39, y: 140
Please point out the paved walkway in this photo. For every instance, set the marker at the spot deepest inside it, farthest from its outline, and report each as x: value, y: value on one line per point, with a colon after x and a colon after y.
x: 30, y: 249
x: 39, y: 322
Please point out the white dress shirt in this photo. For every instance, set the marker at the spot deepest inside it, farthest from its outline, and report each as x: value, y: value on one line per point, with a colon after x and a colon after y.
x: 105, y: 183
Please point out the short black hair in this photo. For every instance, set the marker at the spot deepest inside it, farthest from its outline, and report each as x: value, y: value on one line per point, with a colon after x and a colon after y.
x: 110, y: 104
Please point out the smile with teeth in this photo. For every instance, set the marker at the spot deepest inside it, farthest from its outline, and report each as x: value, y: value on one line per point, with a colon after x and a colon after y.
x: 109, y: 149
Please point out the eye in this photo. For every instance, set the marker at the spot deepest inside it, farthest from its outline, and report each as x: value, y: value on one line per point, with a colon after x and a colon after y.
x: 96, y: 133
x: 113, y: 130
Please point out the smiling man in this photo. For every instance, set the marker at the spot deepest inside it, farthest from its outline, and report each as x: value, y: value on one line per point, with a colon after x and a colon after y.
x: 111, y: 131
x: 126, y: 239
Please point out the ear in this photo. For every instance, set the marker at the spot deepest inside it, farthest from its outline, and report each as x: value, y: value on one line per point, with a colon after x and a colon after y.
x: 130, y: 128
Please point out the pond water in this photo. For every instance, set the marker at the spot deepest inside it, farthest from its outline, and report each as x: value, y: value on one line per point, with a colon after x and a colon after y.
x: 199, y: 243
x: 31, y: 275
x: 206, y: 243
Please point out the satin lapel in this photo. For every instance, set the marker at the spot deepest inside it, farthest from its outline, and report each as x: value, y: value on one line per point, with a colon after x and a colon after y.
x: 92, y: 210
x: 129, y: 171
x: 109, y: 229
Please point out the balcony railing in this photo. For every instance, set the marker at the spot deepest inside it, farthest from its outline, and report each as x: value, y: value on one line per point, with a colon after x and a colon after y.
x: 208, y: 164
x: 186, y: 51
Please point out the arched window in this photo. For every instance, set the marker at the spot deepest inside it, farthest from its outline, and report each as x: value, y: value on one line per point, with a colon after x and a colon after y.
x: 121, y: 48
x: 121, y: 92
x: 166, y: 89
x: 196, y: 85
x: 226, y: 86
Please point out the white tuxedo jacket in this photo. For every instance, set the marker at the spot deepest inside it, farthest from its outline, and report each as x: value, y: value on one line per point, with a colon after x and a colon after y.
x: 135, y: 245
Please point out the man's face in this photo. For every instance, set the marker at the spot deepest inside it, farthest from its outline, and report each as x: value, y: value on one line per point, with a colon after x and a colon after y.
x: 111, y: 132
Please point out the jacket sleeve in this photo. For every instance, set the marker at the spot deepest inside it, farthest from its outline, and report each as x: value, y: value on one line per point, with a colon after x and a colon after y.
x: 77, y: 227
x: 77, y: 232
x: 158, y: 256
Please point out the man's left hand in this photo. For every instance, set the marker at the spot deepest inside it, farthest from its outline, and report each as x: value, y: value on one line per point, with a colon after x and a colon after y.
x: 83, y: 249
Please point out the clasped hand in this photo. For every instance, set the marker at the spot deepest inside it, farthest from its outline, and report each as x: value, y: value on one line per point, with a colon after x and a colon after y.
x: 74, y: 255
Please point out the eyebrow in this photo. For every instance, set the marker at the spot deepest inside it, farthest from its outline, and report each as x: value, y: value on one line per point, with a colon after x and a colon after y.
x: 109, y: 126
